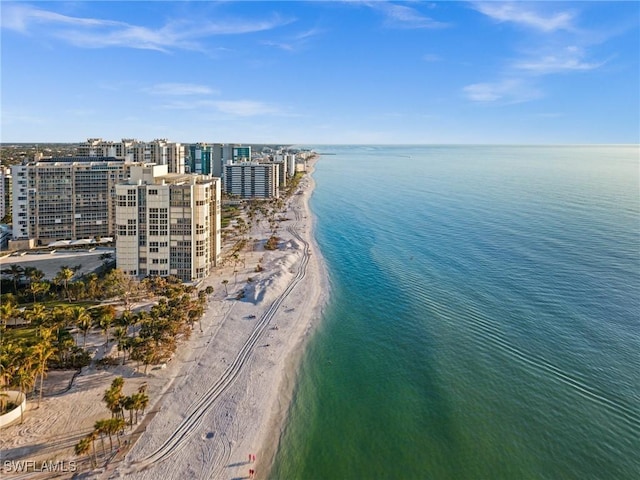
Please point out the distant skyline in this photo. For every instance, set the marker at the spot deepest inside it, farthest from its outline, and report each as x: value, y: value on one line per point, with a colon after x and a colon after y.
x: 321, y: 72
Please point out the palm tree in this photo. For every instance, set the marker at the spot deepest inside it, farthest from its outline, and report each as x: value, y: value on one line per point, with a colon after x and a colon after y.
x: 126, y: 320
x: 83, y: 447
x: 82, y: 320
x: 100, y: 428
x: 8, y: 312
x: 15, y: 271
x: 10, y: 362
x: 93, y: 286
x: 140, y: 401
x: 119, y: 334
x: 63, y: 278
x: 36, y: 315
x: 35, y: 277
x: 106, y: 315
x: 92, y: 437
x: 113, y: 395
x: 114, y: 426
x: 26, y: 380
x: 38, y: 288
x: 42, y: 352
x: 61, y: 317
x: 129, y: 404
x: 33, y: 274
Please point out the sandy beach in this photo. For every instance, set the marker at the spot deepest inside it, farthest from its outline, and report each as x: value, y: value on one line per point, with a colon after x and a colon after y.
x: 226, y: 392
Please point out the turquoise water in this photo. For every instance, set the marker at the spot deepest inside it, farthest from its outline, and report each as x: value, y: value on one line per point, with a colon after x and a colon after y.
x: 484, y: 321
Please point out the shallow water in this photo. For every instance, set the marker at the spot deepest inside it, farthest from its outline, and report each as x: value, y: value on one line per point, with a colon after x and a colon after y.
x: 484, y: 319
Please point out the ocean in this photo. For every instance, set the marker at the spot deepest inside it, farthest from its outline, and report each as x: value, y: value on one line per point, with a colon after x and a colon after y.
x: 484, y: 319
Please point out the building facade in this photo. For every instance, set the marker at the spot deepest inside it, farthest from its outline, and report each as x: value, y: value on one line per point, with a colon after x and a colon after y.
x: 159, y: 151
x: 6, y: 189
x: 168, y: 224
x: 200, y: 158
x: 252, y: 179
x: 241, y: 154
x: 66, y: 198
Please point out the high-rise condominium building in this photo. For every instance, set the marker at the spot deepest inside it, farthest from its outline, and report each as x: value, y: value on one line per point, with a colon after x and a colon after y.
x: 5, y: 191
x: 65, y: 198
x: 252, y: 179
x: 241, y: 154
x: 200, y: 159
x: 158, y: 151
x: 168, y: 224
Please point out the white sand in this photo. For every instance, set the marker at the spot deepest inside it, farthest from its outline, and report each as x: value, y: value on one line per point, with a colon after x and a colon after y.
x: 227, y: 390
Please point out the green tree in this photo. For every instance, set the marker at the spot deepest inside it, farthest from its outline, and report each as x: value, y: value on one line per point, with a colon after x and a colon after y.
x: 36, y: 315
x: 104, y: 317
x: 38, y: 288
x: 113, y: 427
x: 125, y: 287
x: 83, y: 447
x: 63, y: 277
x: 16, y: 272
x: 82, y: 320
x: 100, y: 428
x: 8, y: 312
x: 119, y: 335
x: 42, y: 351
x: 112, y: 397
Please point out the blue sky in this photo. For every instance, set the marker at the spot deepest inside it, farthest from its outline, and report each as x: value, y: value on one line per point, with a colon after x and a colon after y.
x: 321, y: 72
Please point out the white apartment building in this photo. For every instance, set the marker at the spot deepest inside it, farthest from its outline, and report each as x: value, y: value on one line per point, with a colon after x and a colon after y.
x: 168, y: 224
x: 290, y: 160
x: 65, y: 198
x: 5, y: 191
x: 252, y: 179
x: 159, y: 151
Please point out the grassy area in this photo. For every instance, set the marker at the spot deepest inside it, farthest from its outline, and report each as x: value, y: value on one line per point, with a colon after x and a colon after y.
x: 18, y: 334
x: 63, y: 303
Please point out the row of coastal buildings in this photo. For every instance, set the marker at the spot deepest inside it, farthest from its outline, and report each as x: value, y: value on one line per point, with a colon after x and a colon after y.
x: 159, y: 200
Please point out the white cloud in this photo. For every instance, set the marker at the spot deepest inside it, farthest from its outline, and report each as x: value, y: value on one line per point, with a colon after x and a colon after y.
x: 507, y: 91
x: 180, y: 89
x: 569, y: 59
x: 524, y: 14
x: 431, y: 57
x: 99, y: 33
x: 239, y: 108
x: 13, y: 118
x: 19, y: 17
x: 289, y: 47
x: 401, y: 16
x: 245, y: 108
x: 295, y: 42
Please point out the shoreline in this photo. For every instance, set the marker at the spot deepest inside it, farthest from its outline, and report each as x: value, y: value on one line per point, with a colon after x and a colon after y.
x: 290, y: 372
x: 249, y: 414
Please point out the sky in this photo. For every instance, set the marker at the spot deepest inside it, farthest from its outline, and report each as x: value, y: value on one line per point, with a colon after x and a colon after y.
x: 313, y: 72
